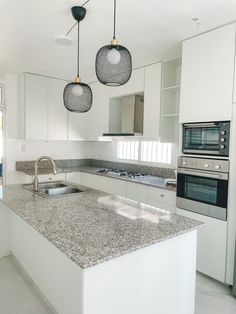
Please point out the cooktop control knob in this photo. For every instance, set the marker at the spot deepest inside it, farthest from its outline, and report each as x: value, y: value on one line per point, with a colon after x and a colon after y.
x: 222, y: 146
x: 206, y: 165
x: 223, y: 139
x: 184, y: 162
x: 217, y: 167
x: 223, y: 132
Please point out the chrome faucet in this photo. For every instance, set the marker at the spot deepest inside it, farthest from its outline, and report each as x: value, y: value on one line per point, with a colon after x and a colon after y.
x: 36, y: 181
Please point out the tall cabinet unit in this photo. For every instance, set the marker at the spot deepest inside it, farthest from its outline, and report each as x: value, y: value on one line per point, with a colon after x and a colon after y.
x: 207, y: 76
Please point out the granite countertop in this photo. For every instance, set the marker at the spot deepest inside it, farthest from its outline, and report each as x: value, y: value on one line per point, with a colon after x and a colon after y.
x: 93, y: 227
x: 150, y: 180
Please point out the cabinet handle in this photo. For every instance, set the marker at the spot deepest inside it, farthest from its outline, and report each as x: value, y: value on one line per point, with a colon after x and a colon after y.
x: 162, y: 195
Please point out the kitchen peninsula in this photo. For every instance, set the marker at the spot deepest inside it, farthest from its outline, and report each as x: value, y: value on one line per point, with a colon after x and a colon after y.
x: 95, y: 253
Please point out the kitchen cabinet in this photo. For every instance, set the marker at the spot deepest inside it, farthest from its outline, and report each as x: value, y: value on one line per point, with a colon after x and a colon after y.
x: 136, y: 192
x: 207, y: 76
x: 42, y: 115
x: 154, y: 196
x: 51, y: 177
x: 57, y: 113
x: 134, y: 86
x: 211, y: 245
x: 109, y: 185
x: 77, y: 126
x: 33, y: 107
x: 152, y: 101
x: 162, y: 198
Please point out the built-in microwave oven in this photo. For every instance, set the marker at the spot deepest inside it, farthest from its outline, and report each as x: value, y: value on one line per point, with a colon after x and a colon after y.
x: 207, y: 138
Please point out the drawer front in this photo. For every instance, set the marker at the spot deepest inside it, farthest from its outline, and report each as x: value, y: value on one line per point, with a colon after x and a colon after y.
x: 170, y: 207
x: 161, y: 195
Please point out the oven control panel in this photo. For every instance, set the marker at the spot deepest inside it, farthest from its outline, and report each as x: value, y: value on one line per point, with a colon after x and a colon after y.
x: 217, y: 165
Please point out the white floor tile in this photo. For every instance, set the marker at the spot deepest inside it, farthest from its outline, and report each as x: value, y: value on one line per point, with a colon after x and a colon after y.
x: 213, y: 297
x: 16, y: 296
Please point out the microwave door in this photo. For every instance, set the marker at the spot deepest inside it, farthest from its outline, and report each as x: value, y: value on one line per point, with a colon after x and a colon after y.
x: 204, y: 140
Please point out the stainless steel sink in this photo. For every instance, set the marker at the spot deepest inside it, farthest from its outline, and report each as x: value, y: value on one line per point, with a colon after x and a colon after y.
x: 56, y: 188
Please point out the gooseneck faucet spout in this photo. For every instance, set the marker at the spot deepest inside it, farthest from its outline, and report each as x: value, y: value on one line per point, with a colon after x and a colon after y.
x: 36, y: 182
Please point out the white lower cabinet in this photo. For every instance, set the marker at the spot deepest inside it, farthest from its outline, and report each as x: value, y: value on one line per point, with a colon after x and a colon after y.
x: 104, y: 184
x: 153, y: 196
x: 211, y: 245
x: 137, y: 192
x: 51, y: 177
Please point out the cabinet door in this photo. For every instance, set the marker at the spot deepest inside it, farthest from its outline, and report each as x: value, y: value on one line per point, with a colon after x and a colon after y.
x: 93, y: 113
x: 136, y: 192
x: 152, y: 101
x: 207, y: 76
x: 73, y: 177
x: 109, y: 185
x: 57, y: 113
x: 211, y: 245
x: 35, y: 107
x: 77, y: 126
x: 133, y: 86
x: 162, y: 195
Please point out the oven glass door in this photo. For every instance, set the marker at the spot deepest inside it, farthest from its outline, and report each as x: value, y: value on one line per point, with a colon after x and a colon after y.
x: 202, y: 138
x: 212, y: 191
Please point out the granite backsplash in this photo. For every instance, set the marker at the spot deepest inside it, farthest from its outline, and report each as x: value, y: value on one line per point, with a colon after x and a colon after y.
x: 78, y: 163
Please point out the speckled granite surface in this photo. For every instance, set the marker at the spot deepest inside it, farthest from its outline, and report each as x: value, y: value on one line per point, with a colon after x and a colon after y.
x: 92, y: 166
x: 93, y: 227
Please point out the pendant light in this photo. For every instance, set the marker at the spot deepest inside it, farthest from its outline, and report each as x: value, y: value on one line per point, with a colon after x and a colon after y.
x: 78, y: 96
x: 113, y: 62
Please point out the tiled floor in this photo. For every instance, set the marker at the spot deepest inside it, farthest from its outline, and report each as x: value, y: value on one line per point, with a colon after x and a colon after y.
x: 213, y: 297
x: 17, y: 297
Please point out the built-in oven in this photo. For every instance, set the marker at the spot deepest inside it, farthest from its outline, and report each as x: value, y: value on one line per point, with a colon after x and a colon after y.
x: 202, y: 186
x: 208, y: 138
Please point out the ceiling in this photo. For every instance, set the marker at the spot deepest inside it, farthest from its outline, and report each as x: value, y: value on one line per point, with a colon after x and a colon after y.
x: 152, y: 30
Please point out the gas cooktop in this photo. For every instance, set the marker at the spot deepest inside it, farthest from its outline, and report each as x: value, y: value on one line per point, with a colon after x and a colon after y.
x: 120, y: 173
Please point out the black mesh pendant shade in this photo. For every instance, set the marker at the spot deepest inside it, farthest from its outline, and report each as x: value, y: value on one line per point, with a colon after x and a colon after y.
x: 113, y: 65
x: 77, y: 97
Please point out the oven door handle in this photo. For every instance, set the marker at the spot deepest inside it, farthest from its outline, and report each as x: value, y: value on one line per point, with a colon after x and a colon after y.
x: 199, y: 125
x: 206, y: 174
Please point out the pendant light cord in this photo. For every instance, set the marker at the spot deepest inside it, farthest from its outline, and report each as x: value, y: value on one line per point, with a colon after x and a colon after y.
x: 78, y: 53
x: 114, y: 29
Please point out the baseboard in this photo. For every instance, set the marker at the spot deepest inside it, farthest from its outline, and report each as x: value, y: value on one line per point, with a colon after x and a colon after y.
x: 32, y: 284
x: 4, y: 254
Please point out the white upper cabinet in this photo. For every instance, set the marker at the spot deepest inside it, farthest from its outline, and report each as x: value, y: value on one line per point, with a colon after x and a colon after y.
x: 77, y: 126
x: 57, y: 113
x: 42, y: 115
x: 207, y: 76
x: 152, y: 101
x: 33, y: 107
x: 133, y: 86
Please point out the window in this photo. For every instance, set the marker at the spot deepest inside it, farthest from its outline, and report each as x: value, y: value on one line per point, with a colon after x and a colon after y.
x: 145, y: 151
x: 128, y: 150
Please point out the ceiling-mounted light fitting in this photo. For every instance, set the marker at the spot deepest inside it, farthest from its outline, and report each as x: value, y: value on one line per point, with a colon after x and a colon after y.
x: 113, y: 62
x: 78, y: 96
